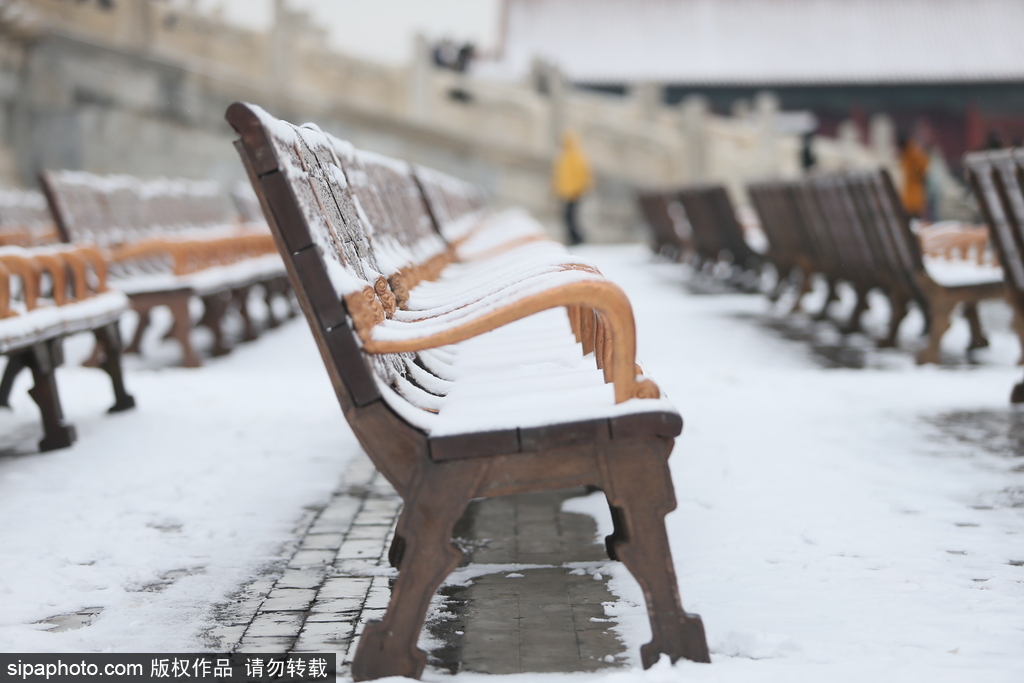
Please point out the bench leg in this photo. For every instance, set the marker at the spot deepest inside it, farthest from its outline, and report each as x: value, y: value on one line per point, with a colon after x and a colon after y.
x: 829, y: 298
x: 854, y: 323
x: 136, y: 344
x: 1018, y: 329
x: 268, y: 298
x: 784, y: 276
x: 240, y: 297
x: 806, y: 281
x: 15, y: 364
x: 43, y: 359
x: 639, y: 491
x: 978, y: 338
x: 214, y: 308
x: 182, y: 331
x: 942, y: 312
x: 1017, y: 395
x: 899, y: 307
x: 289, y: 297
x: 109, y: 338
x: 388, y: 647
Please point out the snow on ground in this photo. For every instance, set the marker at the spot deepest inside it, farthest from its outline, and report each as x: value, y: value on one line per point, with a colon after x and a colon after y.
x: 833, y: 524
x: 206, y: 478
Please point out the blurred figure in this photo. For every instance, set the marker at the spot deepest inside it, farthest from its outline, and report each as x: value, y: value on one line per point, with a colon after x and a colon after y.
x: 448, y: 55
x: 914, y: 164
x: 807, y: 157
x: 571, y: 179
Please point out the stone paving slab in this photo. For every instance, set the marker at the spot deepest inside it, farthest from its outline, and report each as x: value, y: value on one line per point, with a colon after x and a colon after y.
x: 543, y: 614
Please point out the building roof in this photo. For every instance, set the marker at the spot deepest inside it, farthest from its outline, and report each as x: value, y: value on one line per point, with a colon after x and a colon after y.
x: 768, y: 42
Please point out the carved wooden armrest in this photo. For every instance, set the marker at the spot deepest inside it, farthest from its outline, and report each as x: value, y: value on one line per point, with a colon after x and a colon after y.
x: 55, y: 266
x: 79, y: 273
x: 615, y: 331
x: 178, y: 251
x: 93, y: 257
x: 28, y: 270
x: 5, y: 292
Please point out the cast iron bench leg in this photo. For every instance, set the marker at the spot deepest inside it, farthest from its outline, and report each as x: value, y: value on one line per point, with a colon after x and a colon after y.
x: 942, y: 312
x: 806, y: 281
x: 899, y: 307
x: 214, y: 307
x: 140, y: 328
x: 240, y: 297
x: 639, y: 491
x: 978, y: 338
x: 832, y: 296
x: 109, y: 338
x: 854, y: 323
x: 268, y: 299
x: 43, y: 359
x: 182, y: 329
x: 15, y: 364
x: 439, y: 497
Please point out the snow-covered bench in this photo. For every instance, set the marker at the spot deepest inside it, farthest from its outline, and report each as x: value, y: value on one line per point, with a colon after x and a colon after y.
x: 25, y: 220
x: 850, y: 227
x: 460, y: 372
x: 997, y: 178
x: 33, y: 322
x: 169, y: 241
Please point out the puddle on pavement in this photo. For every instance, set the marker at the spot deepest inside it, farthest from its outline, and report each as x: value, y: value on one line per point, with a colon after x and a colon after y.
x: 536, y: 618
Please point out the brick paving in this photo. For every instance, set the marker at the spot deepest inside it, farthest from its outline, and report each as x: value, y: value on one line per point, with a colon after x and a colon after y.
x: 536, y: 606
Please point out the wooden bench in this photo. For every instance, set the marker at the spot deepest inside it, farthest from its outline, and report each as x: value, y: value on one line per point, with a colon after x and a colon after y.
x: 25, y: 220
x: 170, y: 241
x: 447, y: 413
x: 851, y: 228
x: 997, y: 178
x: 667, y: 220
x: 715, y: 228
x: 34, y: 323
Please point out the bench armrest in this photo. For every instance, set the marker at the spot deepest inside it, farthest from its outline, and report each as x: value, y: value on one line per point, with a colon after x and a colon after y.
x: 5, y: 292
x: 25, y: 268
x: 615, y: 331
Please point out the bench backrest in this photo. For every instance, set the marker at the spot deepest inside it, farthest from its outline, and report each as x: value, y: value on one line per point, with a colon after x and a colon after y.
x: 454, y: 204
x: 787, y: 239
x: 714, y: 223
x: 317, y: 223
x: 25, y: 219
x: 118, y: 209
x: 395, y: 213
x: 665, y: 215
x: 996, y: 181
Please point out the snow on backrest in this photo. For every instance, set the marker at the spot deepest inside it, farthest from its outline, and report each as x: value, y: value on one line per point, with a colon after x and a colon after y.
x: 23, y: 208
x: 116, y: 209
x: 453, y: 202
x: 309, y: 161
x: 400, y: 220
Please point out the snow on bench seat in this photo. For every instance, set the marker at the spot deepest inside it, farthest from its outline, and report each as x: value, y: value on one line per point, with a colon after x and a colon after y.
x: 958, y: 273
x: 47, y: 320
x: 496, y: 381
x: 207, y: 280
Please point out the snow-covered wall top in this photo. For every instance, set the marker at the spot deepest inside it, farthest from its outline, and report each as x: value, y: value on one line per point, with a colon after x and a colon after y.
x: 770, y: 42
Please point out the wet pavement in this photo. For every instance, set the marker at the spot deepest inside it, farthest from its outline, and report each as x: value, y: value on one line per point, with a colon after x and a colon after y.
x: 528, y: 596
